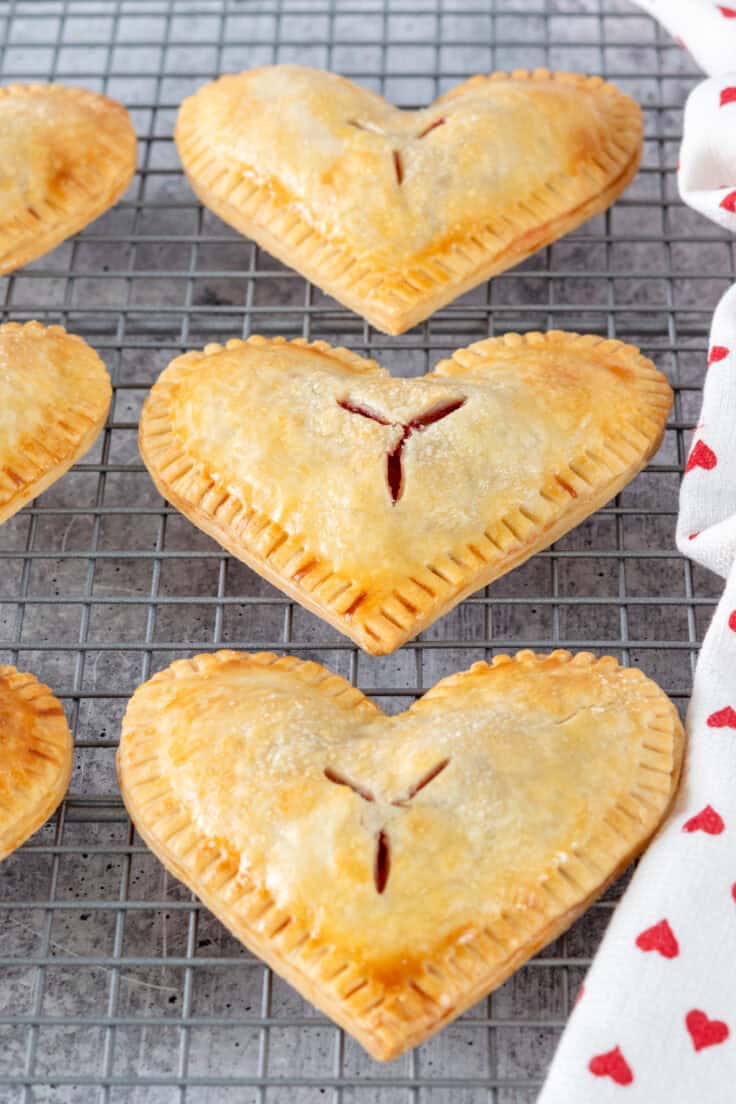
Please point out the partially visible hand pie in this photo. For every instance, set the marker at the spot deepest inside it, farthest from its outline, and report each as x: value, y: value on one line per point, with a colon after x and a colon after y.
x: 395, y: 869
x: 66, y: 155
x: 379, y: 503
x: 54, y: 396
x: 395, y: 213
x: 35, y: 757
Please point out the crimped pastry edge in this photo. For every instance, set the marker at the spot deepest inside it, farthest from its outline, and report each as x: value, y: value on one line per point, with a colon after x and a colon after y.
x: 406, y: 1021
x: 71, y: 436
x: 43, y: 229
x: 453, y: 576
x: 57, y: 740
x: 400, y: 299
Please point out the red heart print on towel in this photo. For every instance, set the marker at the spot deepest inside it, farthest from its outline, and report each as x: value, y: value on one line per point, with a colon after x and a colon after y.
x: 659, y: 937
x: 707, y: 820
x: 727, y: 13
x: 705, y: 1032
x: 728, y: 95
x: 723, y: 718
x: 612, y: 1064
x: 717, y: 352
x: 732, y: 621
x: 702, y: 456
x: 733, y: 891
x: 728, y: 203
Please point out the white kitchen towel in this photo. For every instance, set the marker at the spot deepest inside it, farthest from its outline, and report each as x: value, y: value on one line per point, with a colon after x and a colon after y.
x: 707, y: 174
x: 656, y: 1023
x: 705, y: 28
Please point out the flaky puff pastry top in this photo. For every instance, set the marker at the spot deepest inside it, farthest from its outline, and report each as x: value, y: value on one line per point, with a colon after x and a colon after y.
x: 394, y: 868
x: 396, y: 212
x: 54, y: 396
x: 379, y: 502
x: 35, y: 756
x: 328, y: 152
x: 66, y: 155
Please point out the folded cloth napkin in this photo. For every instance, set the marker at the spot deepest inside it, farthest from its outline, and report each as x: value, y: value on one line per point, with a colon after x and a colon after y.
x: 656, y: 1023
x: 706, y: 28
x: 707, y: 174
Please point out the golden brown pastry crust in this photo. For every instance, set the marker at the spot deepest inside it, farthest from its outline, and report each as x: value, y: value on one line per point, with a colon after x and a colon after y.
x: 253, y: 443
x: 35, y: 757
x: 396, y: 213
x: 508, y: 797
x: 54, y: 397
x: 66, y: 155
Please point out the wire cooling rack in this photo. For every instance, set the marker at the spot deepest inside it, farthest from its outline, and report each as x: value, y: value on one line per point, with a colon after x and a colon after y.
x: 115, y: 986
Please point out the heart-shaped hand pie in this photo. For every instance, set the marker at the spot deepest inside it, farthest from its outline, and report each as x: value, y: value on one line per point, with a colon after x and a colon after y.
x: 395, y: 869
x: 379, y: 503
x: 395, y: 213
x: 35, y: 757
x: 54, y: 396
x: 66, y: 155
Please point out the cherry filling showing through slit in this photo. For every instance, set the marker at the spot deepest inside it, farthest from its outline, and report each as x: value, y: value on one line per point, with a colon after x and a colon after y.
x: 428, y: 777
x: 382, y: 867
x: 432, y: 126
x: 382, y: 860
x: 340, y: 780
x: 396, y: 154
x: 394, y: 466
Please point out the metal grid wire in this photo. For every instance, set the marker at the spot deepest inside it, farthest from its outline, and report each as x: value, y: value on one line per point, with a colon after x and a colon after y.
x: 115, y: 985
